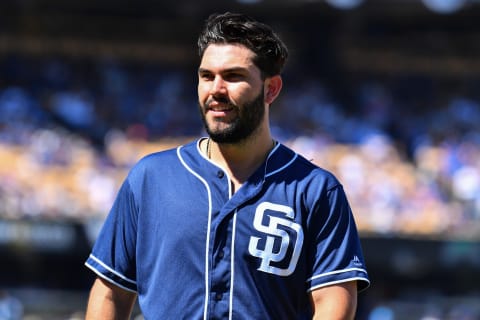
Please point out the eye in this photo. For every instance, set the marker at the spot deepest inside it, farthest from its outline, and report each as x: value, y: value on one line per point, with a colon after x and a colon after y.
x: 205, y: 76
x: 234, y: 76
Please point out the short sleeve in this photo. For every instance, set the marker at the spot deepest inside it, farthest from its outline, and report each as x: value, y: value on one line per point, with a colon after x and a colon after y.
x: 335, y: 253
x: 113, y: 254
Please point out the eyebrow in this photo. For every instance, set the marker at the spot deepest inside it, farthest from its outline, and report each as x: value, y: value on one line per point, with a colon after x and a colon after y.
x: 232, y: 69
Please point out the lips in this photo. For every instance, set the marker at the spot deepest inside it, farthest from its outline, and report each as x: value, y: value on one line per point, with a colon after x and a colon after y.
x: 220, y: 112
x: 219, y: 108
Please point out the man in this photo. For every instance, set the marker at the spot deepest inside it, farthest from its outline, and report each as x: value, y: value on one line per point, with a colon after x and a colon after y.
x: 236, y: 225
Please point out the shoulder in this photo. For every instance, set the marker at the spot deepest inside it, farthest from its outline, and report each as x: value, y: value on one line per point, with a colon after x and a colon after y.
x: 307, y: 172
x: 160, y: 161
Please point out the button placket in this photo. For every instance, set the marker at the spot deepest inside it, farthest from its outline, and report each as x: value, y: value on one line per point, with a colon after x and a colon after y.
x: 221, y: 264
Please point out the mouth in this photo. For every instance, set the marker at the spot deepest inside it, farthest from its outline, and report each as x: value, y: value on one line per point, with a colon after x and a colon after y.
x: 219, y: 108
x: 219, y: 112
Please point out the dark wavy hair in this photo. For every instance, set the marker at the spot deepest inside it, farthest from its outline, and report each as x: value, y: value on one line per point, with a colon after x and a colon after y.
x: 270, y: 52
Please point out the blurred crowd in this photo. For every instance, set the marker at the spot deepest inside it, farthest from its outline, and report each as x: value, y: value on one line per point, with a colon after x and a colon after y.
x: 70, y: 131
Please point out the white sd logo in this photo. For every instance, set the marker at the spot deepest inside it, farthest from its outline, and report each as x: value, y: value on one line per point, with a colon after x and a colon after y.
x: 268, y: 255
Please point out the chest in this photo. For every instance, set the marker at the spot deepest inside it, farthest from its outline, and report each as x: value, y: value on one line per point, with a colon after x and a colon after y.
x: 261, y: 228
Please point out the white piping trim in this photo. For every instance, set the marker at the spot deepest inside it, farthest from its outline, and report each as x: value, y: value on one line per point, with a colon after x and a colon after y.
x: 207, y: 266
x: 337, y: 282
x: 281, y: 168
x: 215, y: 164
x: 277, y: 145
x: 98, y: 273
x: 200, y: 150
x: 232, y: 265
x: 111, y: 270
x: 336, y: 272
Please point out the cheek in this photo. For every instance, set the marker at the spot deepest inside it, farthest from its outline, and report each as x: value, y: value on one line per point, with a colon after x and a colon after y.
x: 252, y: 94
x: 202, y: 92
x: 242, y: 94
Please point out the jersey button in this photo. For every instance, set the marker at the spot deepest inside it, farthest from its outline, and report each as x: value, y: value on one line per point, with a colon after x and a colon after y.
x: 218, y: 296
x: 220, y: 174
x: 221, y: 254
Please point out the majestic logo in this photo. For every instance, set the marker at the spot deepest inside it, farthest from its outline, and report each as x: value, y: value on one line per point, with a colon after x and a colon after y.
x: 356, y: 261
x: 281, y: 251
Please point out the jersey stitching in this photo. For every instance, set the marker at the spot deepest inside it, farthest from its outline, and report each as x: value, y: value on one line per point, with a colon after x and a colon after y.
x: 207, y: 266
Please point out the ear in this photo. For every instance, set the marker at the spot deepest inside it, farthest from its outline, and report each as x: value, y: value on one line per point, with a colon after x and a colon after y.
x: 273, y: 85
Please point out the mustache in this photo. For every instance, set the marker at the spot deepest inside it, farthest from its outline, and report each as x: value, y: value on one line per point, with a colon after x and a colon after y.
x: 221, y: 99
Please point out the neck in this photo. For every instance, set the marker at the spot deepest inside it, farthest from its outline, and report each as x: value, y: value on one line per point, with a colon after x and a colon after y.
x: 242, y: 159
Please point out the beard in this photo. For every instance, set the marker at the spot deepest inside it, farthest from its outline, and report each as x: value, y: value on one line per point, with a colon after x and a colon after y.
x: 249, y: 118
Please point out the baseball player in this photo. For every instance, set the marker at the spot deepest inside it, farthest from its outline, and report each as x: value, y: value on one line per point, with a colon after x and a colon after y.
x: 234, y: 225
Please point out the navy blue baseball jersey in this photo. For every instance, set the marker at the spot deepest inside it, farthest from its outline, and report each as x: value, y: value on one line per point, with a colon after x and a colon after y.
x: 190, y: 248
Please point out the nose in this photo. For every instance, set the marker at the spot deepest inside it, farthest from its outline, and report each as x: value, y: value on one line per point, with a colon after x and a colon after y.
x: 218, y: 86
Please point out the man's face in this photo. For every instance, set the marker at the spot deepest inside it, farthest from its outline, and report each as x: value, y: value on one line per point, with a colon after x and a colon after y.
x: 230, y: 93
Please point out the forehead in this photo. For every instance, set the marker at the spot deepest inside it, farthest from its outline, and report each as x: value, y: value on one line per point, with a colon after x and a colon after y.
x: 225, y: 56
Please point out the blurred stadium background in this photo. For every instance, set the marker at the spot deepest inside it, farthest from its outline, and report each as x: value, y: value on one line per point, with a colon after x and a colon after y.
x: 385, y: 93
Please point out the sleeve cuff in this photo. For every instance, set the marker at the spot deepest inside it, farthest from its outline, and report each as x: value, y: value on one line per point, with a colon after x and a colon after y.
x: 340, y: 276
x: 112, y: 276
